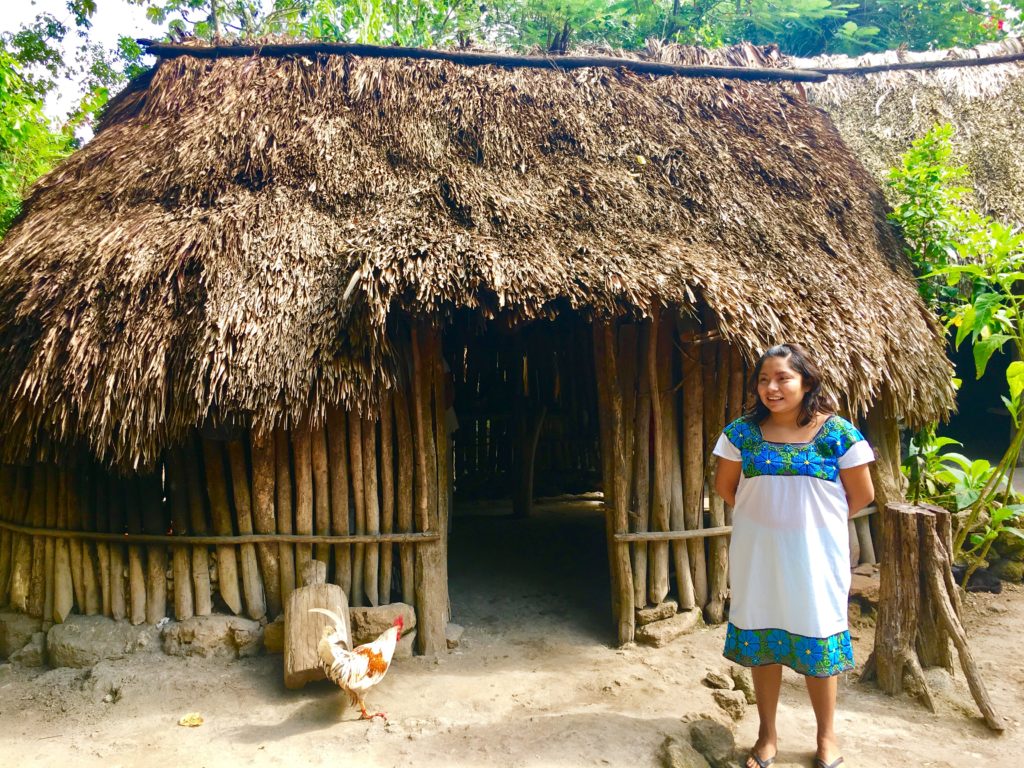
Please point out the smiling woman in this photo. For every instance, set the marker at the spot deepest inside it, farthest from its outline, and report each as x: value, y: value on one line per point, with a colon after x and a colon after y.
x: 795, y: 473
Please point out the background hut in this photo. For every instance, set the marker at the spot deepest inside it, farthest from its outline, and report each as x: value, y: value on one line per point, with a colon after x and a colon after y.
x: 235, y: 325
x: 880, y: 114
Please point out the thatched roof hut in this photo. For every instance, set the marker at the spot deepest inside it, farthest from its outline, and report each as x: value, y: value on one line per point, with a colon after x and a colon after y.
x: 881, y: 113
x: 264, y: 249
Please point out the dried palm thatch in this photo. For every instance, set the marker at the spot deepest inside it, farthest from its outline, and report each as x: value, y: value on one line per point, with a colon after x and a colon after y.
x: 242, y: 234
x: 880, y: 114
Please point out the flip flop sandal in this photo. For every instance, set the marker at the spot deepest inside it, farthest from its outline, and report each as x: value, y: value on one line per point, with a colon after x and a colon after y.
x: 761, y: 762
x: 819, y: 763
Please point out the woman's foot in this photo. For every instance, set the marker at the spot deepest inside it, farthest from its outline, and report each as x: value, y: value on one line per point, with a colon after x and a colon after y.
x: 828, y: 755
x: 762, y: 754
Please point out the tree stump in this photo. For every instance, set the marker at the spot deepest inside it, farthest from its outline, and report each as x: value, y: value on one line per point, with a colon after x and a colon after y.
x: 303, y: 630
x: 918, y: 608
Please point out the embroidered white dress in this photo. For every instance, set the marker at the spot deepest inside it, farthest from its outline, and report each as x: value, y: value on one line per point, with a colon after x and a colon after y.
x: 789, y: 561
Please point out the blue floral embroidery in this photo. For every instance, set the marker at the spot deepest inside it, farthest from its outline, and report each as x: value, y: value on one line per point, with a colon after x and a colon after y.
x: 818, y: 458
x: 814, y: 656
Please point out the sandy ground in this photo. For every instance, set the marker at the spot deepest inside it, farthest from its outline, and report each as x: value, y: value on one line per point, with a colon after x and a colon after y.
x: 535, y: 682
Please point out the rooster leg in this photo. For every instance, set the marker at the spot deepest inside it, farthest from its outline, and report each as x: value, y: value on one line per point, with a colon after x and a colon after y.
x: 367, y: 716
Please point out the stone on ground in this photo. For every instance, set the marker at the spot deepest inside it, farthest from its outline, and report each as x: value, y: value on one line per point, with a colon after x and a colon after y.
x: 714, y: 741
x: 206, y: 636
x: 82, y: 641
x: 658, y: 612
x: 16, y: 629
x: 405, y: 646
x: 734, y: 703
x: 370, y: 623
x: 33, y: 653
x: 717, y: 680
x: 453, y: 634
x: 676, y: 753
x: 742, y: 681
x: 661, y: 633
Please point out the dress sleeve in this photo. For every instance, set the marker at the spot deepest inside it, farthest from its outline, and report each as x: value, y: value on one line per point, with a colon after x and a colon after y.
x: 726, y: 450
x: 857, y: 454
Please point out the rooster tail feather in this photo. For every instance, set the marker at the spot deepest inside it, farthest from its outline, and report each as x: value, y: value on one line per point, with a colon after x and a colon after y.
x: 339, y: 624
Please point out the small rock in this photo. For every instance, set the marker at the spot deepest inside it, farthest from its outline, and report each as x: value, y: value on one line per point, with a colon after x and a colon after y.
x: 660, y: 633
x: 369, y: 623
x: 105, y: 682
x: 217, y: 635
x: 718, y: 681
x: 658, y: 612
x: 742, y: 681
x: 997, y: 608
x: 406, y: 644
x: 5, y: 671
x: 34, y: 652
x: 864, y: 589
x: 82, y: 641
x: 273, y: 635
x: 733, y: 702
x: 16, y: 629
x: 865, y: 569
x: 676, y: 753
x: 714, y: 741
x: 453, y: 634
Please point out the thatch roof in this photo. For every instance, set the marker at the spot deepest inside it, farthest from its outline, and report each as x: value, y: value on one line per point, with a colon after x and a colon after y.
x: 880, y: 114
x: 242, y: 232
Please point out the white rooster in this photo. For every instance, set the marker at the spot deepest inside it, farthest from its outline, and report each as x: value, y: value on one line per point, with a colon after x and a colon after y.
x: 361, y: 668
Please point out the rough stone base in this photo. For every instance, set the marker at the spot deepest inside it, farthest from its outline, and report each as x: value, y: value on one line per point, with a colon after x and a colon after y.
x: 660, y: 633
x: 369, y: 623
x: 82, y: 641
x: 16, y: 629
x: 207, y: 636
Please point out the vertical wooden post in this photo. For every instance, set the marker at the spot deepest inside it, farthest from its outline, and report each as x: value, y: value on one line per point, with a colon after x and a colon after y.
x: 337, y: 456
x: 302, y: 449
x: 98, y: 492
x: 642, y: 466
x: 21, y: 550
x: 715, y: 360
x: 75, y: 547
x: 181, y: 556
x: 355, y: 457
x: 78, y: 499
x: 37, y: 507
x: 252, y: 584
x: 693, y: 468
x: 199, y: 524
x: 657, y: 362
x: 263, y: 490
x: 53, y: 484
x: 63, y: 591
x: 677, y: 512
x: 443, y: 467
x: 136, y: 566
x: 220, y: 511
x: 321, y: 491
x: 283, y: 477
x: 736, y: 399
x: 371, y: 510
x: 430, y: 603
x: 615, y: 481
x: 117, y: 500
x: 387, y: 487
x: 155, y: 522
x: 884, y: 435
x: 404, y: 510
x: 7, y: 483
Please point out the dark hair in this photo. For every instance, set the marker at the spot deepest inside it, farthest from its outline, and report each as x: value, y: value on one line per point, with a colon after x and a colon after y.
x: 815, y: 400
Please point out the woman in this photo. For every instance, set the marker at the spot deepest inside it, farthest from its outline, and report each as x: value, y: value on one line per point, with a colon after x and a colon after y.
x: 794, y: 473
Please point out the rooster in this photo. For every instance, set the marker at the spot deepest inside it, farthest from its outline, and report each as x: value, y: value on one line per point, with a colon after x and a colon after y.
x: 363, y: 667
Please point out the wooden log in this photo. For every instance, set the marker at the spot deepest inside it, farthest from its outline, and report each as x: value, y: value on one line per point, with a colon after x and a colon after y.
x: 387, y: 494
x: 155, y: 521
x: 136, y: 555
x: 21, y: 550
x: 181, y: 557
x: 371, y: 511
x: 37, y: 516
x: 337, y: 465
x: 442, y: 442
x: 355, y: 458
x: 79, y: 499
x: 882, y: 430
x: 220, y: 513
x: 63, y: 589
x: 302, y: 453
x: 252, y: 583
x: 263, y: 490
x: 117, y: 490
x: 75, y: 547
x: 98, y: 489
x: 7, y: 484
x: 737, y: 397
x: 53, y: 501
x: 321, y: 491
x: 199, y: 524
x: 933, y: 637
x: 661, y: 492
x: 693, y: 467
x: 431, y: 594
x: 283, y: 484
x: 303, y: 630
x: 641, y: 466
x: 715, y: 358
x: 404, y: 501
x: 614, y: 476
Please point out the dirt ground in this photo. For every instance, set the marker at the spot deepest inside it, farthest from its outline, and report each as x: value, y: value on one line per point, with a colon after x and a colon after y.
x: 536, y: 681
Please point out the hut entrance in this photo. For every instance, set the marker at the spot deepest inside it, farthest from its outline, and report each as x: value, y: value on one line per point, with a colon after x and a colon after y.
x: 528, y: 526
